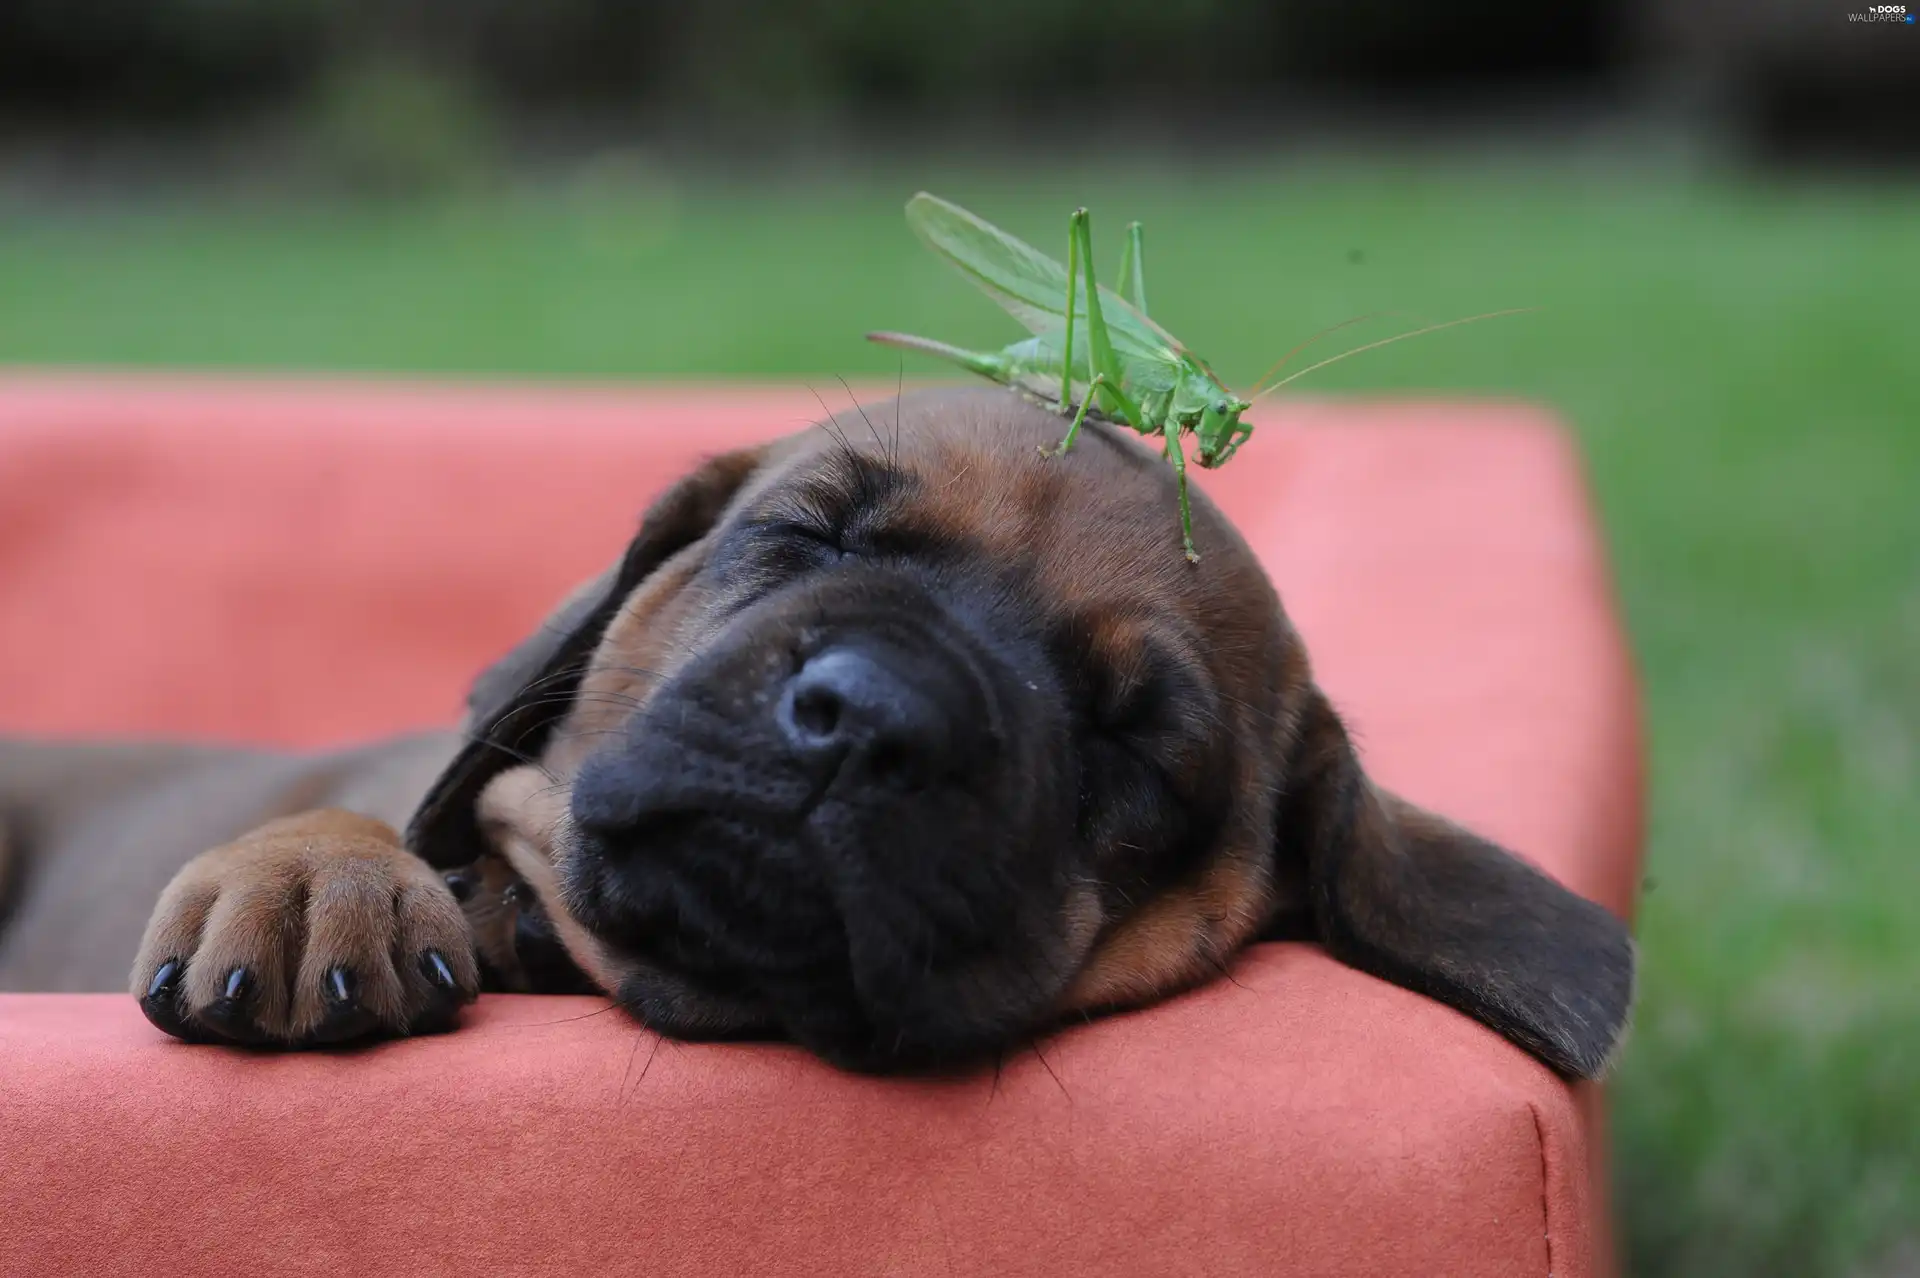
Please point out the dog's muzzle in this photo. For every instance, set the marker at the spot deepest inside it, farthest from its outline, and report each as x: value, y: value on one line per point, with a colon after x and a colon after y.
x: 826, y: 831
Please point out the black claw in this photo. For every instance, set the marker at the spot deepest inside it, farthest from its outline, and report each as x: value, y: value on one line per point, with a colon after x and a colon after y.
x: 460, y: 883
x: 161, y: 1003
x: 436, y: 970
x: 345, y: 1018
x: 163, y: 979
x: 231, y: 1015
x: 442, y: 1010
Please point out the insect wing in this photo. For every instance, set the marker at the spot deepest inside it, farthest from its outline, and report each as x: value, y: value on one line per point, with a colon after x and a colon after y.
x: 1029, y: 285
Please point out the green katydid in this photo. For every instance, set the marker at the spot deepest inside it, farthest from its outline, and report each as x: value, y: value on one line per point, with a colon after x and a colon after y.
x: 1122, y: 364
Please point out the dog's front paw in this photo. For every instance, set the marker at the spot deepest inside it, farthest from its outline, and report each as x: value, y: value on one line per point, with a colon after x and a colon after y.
x: 315, y: 929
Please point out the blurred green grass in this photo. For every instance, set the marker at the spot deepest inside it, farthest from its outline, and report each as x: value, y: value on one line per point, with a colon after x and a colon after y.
x: 1739, y: 359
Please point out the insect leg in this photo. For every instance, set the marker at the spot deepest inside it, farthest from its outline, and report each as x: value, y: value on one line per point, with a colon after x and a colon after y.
x: 1133, y: 269
x: 1134, y: 415
x: 1100, y: 346
x: 1073, y: 431
x: 1178, y: 457
x: 1129, y: 411
x: 1073, y: 287
x: 986, y: 363
x: 1241, y: 430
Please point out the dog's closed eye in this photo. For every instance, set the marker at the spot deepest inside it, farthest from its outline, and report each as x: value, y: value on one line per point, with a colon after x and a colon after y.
x: 800, y: 542
x: 1138, y: 686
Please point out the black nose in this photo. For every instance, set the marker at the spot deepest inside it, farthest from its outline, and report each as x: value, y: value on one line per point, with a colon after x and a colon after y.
x: 868, y: 704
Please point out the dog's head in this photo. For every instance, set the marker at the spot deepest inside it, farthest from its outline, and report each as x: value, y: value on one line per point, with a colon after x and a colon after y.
x: 902, y: 741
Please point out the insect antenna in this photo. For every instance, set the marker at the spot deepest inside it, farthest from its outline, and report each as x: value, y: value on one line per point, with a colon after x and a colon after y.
x: 1260, y: 381
x: 1387, y: 341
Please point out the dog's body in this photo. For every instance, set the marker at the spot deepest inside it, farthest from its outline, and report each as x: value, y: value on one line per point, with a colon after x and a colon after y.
x: 91, y: 834
x: 893, y: 738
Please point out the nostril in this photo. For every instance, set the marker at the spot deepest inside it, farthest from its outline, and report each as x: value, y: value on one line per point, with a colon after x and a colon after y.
x: 867, y: 700
x: 814, y: 712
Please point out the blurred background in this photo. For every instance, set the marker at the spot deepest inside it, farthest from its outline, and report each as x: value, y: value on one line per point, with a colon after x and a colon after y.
x: 1716, y: 206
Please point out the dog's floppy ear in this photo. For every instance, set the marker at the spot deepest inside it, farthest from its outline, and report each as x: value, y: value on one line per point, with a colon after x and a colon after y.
x: 1403, y: 894
x: 514, y: 704
x: 494, y: 690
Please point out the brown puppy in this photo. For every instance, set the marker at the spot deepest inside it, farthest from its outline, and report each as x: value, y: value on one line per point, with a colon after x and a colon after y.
x: 901, y: 742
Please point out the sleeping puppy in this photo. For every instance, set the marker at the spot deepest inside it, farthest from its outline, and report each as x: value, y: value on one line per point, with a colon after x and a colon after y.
x: 901, y: 742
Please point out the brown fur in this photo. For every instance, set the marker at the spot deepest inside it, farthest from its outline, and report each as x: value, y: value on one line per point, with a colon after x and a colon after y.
x: 297, y: 898
x: 493, y: 913
x: 1178, y: 939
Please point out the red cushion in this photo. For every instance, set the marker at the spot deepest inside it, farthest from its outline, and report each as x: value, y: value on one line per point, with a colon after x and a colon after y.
x: 312, y: 563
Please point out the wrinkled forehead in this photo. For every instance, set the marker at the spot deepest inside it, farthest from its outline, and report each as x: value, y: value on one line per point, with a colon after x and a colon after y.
x: 1095, y: 530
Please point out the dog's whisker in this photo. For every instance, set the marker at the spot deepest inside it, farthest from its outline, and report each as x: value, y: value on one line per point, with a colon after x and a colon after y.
x: 1034, y: 1047
x: 582, y: 734
x: 616, y: 703
x: 827, y: 422
x: 622, y: 700
x: 898, y: 394
x: 519, y: 756
x: 568, y: 1020
x: 559, y: 674
x: 871, y: 428
x: 646, y: 1068
x: 643, y: 672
